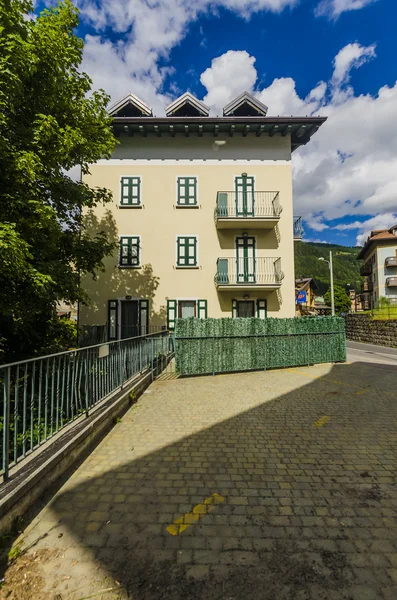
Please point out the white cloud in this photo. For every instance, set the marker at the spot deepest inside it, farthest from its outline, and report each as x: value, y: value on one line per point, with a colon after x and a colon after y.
x: 228, y: 76
x: 350, y: 57
x: 380, y: 221
x: 334, y: 8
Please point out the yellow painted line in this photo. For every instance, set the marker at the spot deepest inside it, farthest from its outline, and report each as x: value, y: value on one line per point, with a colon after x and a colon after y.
x: 198, y: 511
x: 322, y: 421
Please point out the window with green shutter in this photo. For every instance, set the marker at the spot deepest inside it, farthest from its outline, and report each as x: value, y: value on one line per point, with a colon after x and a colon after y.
x: 186, y: 251
x: 187, y: 191
x: 130, y: 191
x: 130, y: 251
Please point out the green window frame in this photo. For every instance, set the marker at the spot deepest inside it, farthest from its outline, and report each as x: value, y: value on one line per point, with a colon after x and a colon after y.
x: 130, y: 251
x: 130, y: 191
x: 187, y: 191
x: 186, y: 251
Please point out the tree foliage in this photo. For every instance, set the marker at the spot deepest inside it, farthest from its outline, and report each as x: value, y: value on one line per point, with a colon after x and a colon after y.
x: 342, y: 300
x: 345, y: 263
x: 50, y: 122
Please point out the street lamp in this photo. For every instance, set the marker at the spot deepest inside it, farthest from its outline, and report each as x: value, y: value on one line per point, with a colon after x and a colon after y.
x: 332, y: 281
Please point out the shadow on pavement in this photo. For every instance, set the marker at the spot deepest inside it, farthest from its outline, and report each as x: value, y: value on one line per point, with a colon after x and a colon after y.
x: 309, y: 509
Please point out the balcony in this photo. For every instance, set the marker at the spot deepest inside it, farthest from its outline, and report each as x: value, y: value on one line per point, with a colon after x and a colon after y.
x: 298, y: 229
x: 259, y: 210
x: 391, y: 261
x: 366, y: 269
x: 368, y: 287
x: 391, y: 282
x: 248, y: 273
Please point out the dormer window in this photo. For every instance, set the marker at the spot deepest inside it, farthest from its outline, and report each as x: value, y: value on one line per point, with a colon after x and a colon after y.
x: 130, y: 106
x: 187, y: 105
x: 245, y: 105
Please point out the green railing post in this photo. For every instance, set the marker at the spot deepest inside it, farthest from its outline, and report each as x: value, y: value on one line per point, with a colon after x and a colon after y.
x: 213, y: 354
x: 6, y: 422
x: 152, y: 346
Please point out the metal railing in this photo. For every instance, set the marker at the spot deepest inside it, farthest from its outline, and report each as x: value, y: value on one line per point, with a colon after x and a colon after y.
x: 298, y: 228
x: 391, y: 282
x: 90, y: 335
x: 251, y: 271
x: 42, y: 395
x: 252, y: 205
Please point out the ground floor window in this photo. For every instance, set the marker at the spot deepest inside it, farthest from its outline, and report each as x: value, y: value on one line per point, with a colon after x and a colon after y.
x: 249, y: 308
x: 183, y: 309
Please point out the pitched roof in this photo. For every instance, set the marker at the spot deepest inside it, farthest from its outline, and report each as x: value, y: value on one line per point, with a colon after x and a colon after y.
x: 245, y: 105
x: 187, y: 105
x: 130, y: 106
x: 378, y: 235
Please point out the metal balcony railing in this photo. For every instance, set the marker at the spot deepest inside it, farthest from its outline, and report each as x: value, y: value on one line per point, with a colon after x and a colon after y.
x: 249, y: 271
x: 247, y: 205
x: 298, y: 228
x: 391, y: 282
x: 366, y: 269
x: 391, y: 261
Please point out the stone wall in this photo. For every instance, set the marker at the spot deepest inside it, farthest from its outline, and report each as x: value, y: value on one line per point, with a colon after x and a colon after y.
x: 361, y: 328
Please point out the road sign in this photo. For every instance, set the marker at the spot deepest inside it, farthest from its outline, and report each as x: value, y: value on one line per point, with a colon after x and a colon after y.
x: 301, y: 298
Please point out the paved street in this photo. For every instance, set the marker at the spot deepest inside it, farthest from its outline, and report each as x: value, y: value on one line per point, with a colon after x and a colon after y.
x: 277, y: 485
x: 357, y: 352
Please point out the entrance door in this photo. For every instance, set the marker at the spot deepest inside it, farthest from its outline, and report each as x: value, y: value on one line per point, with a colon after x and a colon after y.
x: 245, y: 260
x: 245, y: 196
x: 246, y: 309
x: 129, y: 326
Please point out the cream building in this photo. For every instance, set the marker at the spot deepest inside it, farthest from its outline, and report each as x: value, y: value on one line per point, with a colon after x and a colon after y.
x: 380, y: 267
x: 202, y: 213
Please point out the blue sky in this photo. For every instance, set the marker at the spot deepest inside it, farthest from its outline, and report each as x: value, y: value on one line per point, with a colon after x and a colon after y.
x: 329, y: 57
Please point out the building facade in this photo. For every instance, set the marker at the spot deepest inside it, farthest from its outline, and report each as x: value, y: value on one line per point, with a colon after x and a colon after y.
x: 202, y: 215
x: 306, y: 291
x: 380, y: 267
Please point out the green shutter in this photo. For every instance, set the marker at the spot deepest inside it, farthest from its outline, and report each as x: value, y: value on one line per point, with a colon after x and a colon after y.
x: 222, y: 268
x: 234, y: 309
x: 171, y: 313
x: 261, y: 309
x: 222, y: 204
x: 202, y: 309
x: 144, y: 316
x: 113, y: 324
x: 187, y: 191
x: 186, y: 251
x: 130, y: 252
x: 130, y: 191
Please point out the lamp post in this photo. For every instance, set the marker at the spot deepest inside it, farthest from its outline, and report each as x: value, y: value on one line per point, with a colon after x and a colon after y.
x: 331, y: 281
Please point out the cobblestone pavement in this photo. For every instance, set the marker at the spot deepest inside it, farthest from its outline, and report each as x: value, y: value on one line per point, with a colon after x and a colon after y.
x: 302, y: 463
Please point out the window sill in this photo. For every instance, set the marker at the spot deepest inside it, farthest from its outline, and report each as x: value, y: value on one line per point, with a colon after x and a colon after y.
x: 187, y: 266
x: 129, y: 266
x: 187, y: 206
x: 130, y: 206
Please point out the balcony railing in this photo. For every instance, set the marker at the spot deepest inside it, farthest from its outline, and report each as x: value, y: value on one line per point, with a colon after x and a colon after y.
x: 391, y: 282
x: 391, y: 261
x: 249, y: 271
x: 258, y: 207
x: 298, y: 228
x: 366, y: 269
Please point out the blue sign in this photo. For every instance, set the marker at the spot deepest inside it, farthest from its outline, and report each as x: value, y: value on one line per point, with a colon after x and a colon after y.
x: 301, y: 298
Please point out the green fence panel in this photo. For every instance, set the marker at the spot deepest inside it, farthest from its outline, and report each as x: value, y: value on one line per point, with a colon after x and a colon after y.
x: 205, y: 346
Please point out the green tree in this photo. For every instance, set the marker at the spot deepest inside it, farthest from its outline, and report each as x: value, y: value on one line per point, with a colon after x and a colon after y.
x: 50, y: 122
x: 342, y: 301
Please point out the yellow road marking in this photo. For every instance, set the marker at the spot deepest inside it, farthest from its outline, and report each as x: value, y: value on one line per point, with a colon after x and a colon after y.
x: 179, y: 525
x: 322, y: 421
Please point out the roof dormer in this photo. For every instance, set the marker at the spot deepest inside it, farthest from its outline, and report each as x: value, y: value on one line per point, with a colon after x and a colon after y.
x: 130, y: 106
x: 187, y: 105
x: 245, y: 105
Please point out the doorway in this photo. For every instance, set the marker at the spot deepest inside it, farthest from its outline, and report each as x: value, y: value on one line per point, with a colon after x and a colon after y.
x: 245, y: 196
x: 245, y: 260
x: 245, y: 309
x: 129, y: 322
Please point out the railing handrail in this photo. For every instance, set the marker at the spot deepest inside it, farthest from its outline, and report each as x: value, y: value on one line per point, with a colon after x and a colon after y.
x: 248, y: 192
x: 76, y: 350
x: 274, y: 258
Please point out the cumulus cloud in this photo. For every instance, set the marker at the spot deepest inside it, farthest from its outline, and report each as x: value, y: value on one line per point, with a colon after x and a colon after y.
x: 334, y: 8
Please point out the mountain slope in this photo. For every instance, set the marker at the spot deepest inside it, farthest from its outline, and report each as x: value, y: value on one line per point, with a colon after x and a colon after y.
x: 346, y: 265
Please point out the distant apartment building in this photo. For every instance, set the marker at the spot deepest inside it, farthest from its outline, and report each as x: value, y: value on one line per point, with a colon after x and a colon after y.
x: 380, y: 267
x: 202, y: 214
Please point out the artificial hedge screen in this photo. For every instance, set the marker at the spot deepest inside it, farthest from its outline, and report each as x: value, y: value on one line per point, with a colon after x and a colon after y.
x: 226, y: 345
